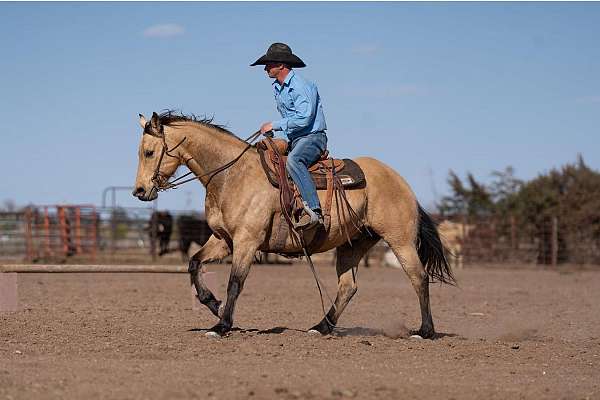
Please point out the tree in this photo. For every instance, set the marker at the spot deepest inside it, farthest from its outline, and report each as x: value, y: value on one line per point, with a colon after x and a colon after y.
x: 503, y: 190
x: 568, y: 193
x: 473, y: 201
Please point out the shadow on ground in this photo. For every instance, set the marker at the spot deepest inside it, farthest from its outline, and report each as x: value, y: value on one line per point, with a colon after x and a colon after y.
x: 338, y: 331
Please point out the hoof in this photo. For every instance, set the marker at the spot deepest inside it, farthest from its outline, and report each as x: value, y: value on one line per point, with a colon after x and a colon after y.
x: 424, y: 333
x: 314, y: 332
x: 417, y: 337
x: 219, y: 330
x: 211, y: 334
x: 322, y: 328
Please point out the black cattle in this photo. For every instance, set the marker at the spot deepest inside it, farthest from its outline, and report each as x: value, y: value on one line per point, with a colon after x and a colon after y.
x: 161, y: 227
x: 191, y: 229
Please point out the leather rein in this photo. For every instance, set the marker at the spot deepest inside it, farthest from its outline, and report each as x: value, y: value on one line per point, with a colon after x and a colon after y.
x: 161, y: 182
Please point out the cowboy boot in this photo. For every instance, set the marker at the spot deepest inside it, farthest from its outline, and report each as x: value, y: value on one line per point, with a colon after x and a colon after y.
x: 309, y: 219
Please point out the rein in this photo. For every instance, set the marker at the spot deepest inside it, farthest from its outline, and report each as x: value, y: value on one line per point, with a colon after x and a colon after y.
x: 162, y: 184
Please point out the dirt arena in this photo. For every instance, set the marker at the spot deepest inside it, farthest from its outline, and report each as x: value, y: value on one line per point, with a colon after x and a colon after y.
x: 504, y: 333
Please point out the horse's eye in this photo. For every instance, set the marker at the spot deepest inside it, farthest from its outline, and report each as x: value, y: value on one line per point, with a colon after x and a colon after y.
x: 149, y: 153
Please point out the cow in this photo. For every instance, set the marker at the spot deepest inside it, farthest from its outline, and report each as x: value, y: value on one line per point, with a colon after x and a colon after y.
x: 161, y: 227
x: 191, y: 229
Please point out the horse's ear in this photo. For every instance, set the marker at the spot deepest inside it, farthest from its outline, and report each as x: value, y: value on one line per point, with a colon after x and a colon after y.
x: 142, y: 121
x: 155, y: 121
x: 155, y: 125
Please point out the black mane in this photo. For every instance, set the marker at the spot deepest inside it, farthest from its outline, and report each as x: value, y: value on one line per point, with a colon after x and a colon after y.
x: 171, y: 117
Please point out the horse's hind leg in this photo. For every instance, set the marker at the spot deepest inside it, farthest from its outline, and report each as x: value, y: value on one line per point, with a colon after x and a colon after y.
x: 213, y: 250
x: 409, y: 259
x: 347, y: 260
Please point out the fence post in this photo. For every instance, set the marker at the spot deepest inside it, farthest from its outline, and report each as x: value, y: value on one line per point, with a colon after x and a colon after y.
x: 113, y: 231
x: 91, y: 233
x: 78, y: 248
x: 62, y: 223
x: 554, y: 241
x: 513, y: 232
x: 47, y: 248
x: 28, y: 235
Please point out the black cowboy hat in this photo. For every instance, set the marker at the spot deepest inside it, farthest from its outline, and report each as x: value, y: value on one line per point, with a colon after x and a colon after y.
x: 280, y: 53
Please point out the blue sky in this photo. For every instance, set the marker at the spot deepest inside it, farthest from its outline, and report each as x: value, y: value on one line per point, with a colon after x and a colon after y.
x: 425, y: 87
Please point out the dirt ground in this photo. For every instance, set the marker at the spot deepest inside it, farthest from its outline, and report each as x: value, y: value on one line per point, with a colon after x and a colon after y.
x: 503, y: 333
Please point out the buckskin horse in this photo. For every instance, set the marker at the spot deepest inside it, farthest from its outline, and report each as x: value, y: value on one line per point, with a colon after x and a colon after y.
x: 243, y: 209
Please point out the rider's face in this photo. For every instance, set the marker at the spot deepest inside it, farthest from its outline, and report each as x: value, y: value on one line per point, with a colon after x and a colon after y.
x: 273, y: 69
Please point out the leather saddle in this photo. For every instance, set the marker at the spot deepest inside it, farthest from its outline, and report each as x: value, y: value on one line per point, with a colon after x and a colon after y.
x: 329, y: 174
x: 349, y: 173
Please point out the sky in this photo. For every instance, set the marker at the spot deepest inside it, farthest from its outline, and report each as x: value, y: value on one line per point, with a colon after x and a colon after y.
x: 424, y: 87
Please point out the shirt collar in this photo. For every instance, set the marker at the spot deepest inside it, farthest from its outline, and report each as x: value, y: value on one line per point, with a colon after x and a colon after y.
x: 287, y: 80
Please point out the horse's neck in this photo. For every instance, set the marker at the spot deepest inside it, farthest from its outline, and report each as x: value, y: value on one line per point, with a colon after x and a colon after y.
x: 207, y: 149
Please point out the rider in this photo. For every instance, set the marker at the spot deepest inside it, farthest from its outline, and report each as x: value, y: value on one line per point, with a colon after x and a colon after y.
x: 303, y: 122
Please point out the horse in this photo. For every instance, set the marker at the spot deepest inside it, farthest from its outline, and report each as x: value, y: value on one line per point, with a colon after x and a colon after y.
x: 243, y: 210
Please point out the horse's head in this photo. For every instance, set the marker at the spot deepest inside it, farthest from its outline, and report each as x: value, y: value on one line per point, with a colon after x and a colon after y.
x: 155, y: 164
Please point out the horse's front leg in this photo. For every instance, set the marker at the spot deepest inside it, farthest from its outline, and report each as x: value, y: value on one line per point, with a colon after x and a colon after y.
x: 213, y: 250
x: 243, y: 254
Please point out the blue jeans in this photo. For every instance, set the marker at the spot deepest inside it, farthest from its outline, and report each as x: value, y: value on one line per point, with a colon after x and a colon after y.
x: 305, y: 150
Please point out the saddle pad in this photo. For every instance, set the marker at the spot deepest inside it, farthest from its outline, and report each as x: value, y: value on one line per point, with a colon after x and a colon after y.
x: 351, y: 175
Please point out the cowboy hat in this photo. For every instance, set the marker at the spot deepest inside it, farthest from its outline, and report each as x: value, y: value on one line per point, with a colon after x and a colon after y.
x: 280, y: 53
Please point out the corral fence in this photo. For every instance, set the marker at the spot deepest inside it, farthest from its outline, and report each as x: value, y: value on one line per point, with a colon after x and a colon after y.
x: 49, y: 232
x: 85, y: 234
x: 509, y: 240
x: 89, y: 234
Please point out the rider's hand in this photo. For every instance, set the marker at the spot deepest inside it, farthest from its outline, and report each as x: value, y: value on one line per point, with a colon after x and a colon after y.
x: 266, y: 127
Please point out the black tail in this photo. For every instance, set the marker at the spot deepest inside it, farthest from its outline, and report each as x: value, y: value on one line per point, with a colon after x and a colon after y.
x: 431, y: 251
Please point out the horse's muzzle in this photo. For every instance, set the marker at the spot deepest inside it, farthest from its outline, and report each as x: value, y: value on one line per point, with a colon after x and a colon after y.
x: 143, y: 195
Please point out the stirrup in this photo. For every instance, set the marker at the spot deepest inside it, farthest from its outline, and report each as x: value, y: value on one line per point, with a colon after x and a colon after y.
x: 314, y: 219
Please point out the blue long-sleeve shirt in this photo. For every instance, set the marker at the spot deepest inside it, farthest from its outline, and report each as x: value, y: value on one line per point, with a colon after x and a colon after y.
x: 300, y: 106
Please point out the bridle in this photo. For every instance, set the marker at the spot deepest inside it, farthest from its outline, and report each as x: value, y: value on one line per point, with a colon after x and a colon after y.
x: 160, y: 180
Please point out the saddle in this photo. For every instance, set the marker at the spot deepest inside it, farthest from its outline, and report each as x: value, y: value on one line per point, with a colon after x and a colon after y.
x: 333, y: 175
x: 349, y: 173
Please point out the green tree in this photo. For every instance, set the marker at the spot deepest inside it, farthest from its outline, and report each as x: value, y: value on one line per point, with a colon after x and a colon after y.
x: 504, y: 190
x: 473, y: 199
x: 568, y: 193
